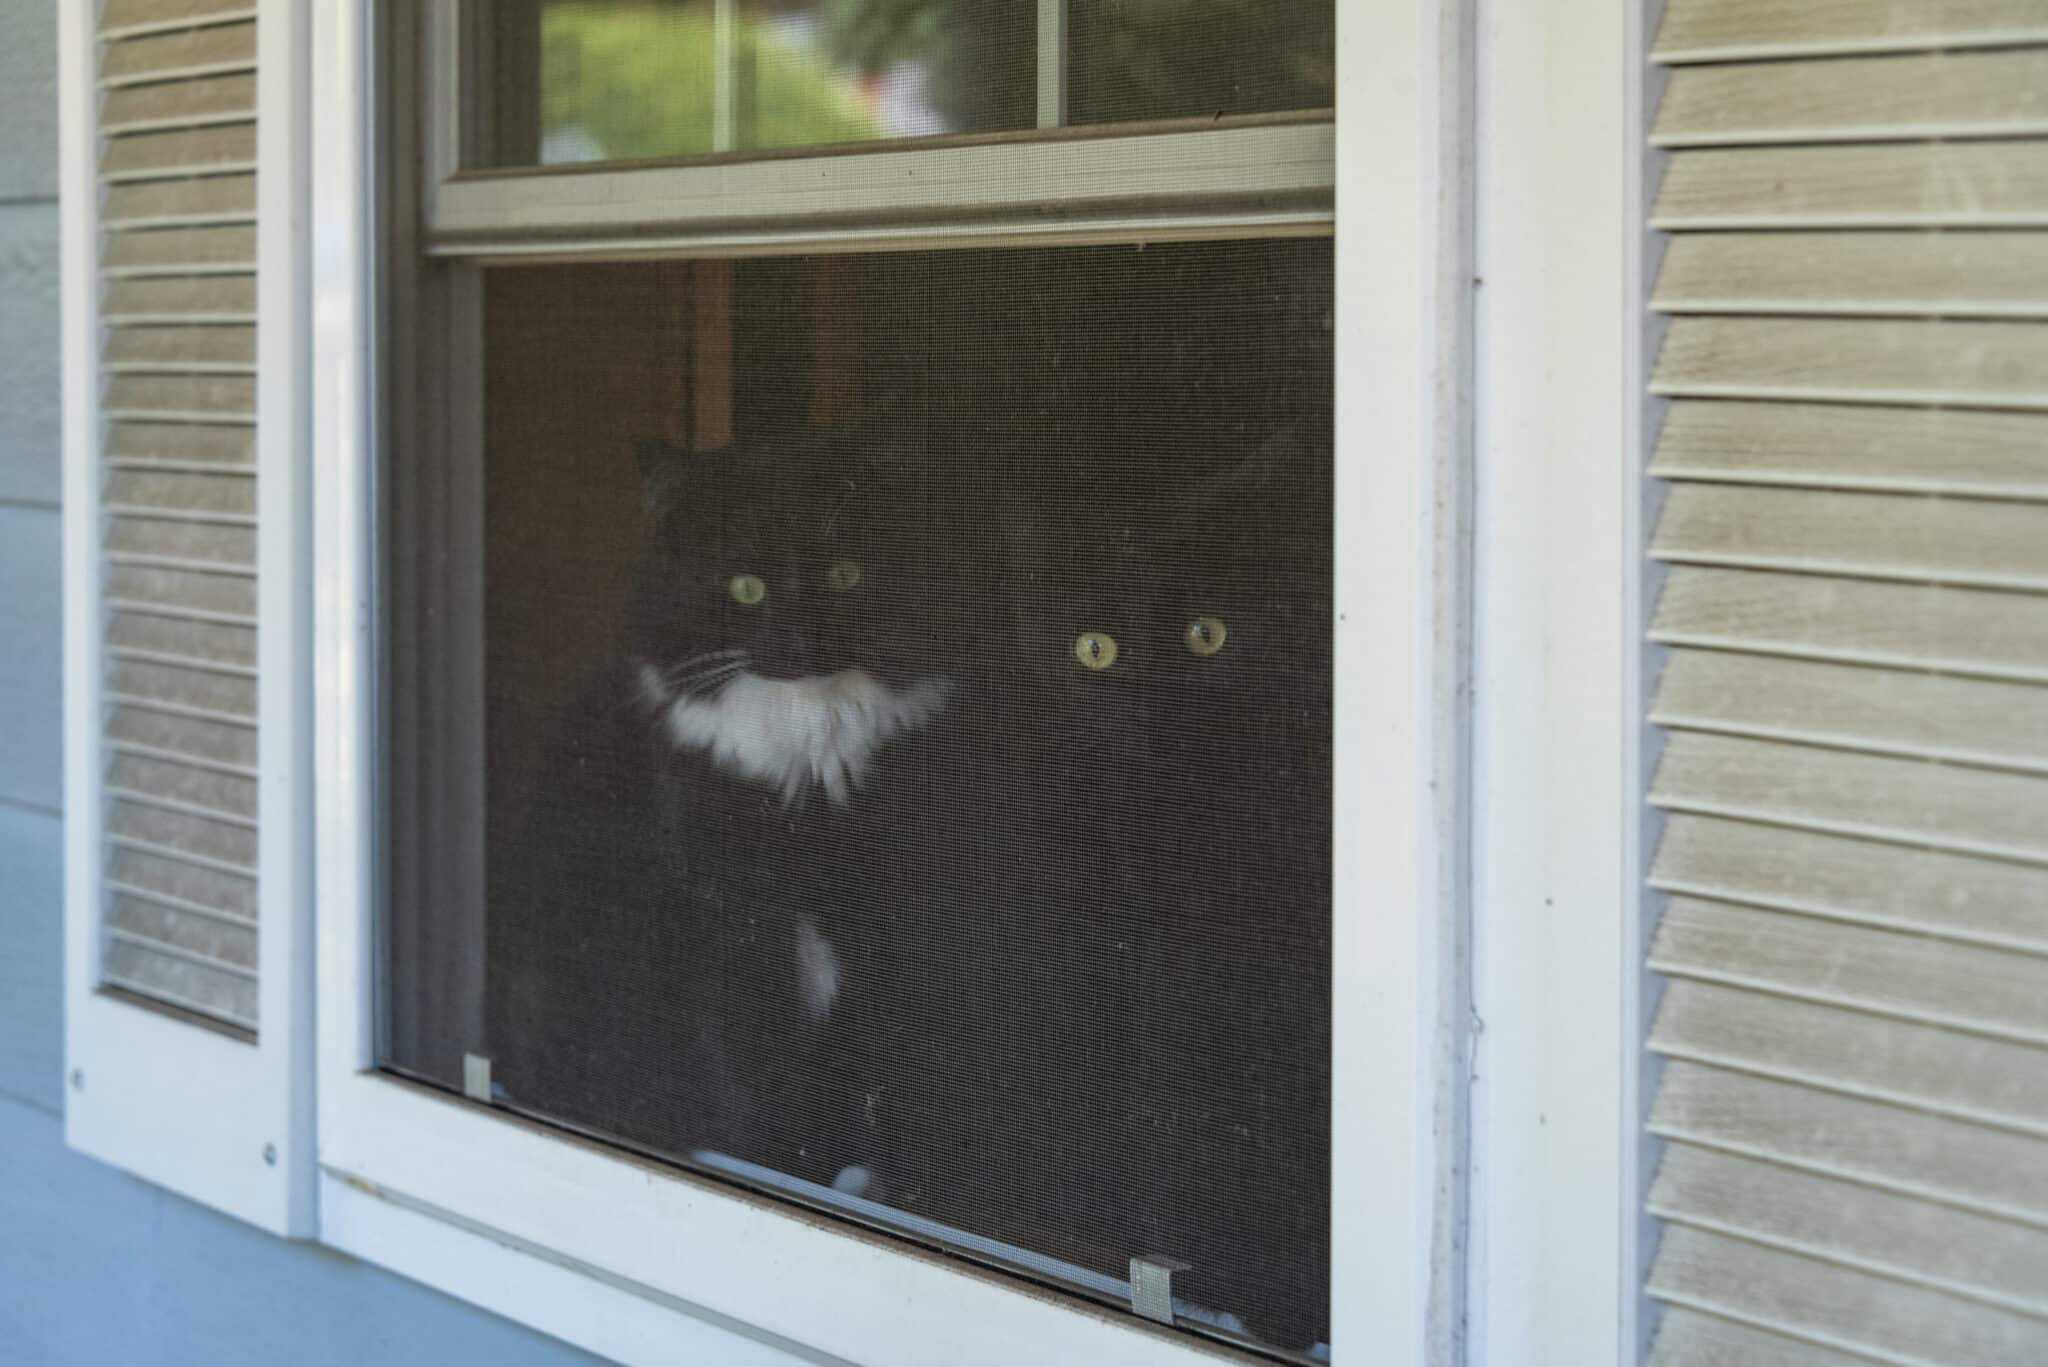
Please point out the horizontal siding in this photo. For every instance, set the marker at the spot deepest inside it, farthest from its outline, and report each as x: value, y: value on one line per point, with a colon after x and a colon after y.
x: 1734, y: 30
x: 1902, y: 887
x: 1834, y: 1307
x: 1975, y: 1257
x: 1852, y: 685
x: 1856, y: 361
x: 1957, y: 275
x: 1880, y: 185
x: 1952, y: 541
x: 1923, y: 95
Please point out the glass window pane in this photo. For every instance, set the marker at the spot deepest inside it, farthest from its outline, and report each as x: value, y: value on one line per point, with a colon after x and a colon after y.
x: 904, y: 774
x: 615, y: 80
x: 1162, y: 59
x: 574, y: 81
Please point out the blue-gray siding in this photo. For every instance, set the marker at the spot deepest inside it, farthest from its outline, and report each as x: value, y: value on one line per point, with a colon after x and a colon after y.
x: 96, y: 1267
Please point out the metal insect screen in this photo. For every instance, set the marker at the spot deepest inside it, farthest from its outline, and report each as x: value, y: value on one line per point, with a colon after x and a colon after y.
x: 906, y: 695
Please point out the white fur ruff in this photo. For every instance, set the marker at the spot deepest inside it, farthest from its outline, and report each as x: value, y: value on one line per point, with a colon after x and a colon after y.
x: 793, y: 733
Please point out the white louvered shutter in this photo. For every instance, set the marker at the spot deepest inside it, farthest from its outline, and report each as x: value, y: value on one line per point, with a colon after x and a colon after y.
x: 183, y: 839
x: 1854, y: 691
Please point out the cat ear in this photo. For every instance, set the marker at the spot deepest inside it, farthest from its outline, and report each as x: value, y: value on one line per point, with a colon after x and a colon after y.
x: 663, y: 466
x: 1246, y: 479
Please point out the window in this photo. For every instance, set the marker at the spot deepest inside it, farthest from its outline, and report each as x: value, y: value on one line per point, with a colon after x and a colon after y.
x: 860, y: 721
x: 1079, y: 372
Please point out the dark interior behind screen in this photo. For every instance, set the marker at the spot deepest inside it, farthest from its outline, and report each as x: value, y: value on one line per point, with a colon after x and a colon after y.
x: 906, y: 747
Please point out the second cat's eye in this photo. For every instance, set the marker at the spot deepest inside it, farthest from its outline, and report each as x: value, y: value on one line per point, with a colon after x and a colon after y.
x: 1095, y: 649
x: 746, y: 589
x: 842, y: 575
x: 1206, y: 635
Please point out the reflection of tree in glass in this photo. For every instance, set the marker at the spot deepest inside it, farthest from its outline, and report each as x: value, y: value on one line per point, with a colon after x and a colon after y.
x: 1127, y: 59
x: 626, y: 81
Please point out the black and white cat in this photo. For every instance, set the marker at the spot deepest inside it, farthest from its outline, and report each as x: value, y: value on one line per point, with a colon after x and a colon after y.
x: 689, y: 954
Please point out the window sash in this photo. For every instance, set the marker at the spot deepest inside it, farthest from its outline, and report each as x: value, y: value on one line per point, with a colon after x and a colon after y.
x: 1254, y: 174
x: 391, y: 1151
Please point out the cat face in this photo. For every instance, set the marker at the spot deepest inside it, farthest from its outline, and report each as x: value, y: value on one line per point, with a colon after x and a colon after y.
x: 782, y: 621
x: 1163, y: 593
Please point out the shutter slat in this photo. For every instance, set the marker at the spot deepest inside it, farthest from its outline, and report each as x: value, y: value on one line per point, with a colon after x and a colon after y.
x: 224, y: 596
x: 222, y: 943
x: 229, y: 496
x: 1883, y: 711
x: 1979, y: 94
x: 1940, y: 1247
x: 1836, y: 1307
x: 180, y: 203
x: 181, y: 444
x: 1918, y: 626
x: 133, y: 16
x: 219, y: 349
x: 177, y: 982
x: 1902, y: 450
x: 1878, y: 185
x: 1808, y: 1041
x: 180, y: 152
x: 180, y: 882
x: 167, y: 734
x: 1730, y: 30
x: 1990, y: 364
x: 207, y: 51
x: 1983, y: 901
x: 1687, y: 1338
x: 199, y: 397
x: 228, y: 847
x: 196, y: 542
x: 179, y: 104
x: 1894, y: 1148
x: 1984, y: 274
x: 180, y: 251
x: 178, y: 299
x: 1977, y: 811
x: 197, y: 691
x: 208, y: 792
x: 133, y: 632
x: 1994, y: 545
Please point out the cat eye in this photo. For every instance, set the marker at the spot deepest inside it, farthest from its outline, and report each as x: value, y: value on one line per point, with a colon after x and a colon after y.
x: 843, y: 575
x: 746, y: 589
x: 1206, y: 635
x: 1095, y: 649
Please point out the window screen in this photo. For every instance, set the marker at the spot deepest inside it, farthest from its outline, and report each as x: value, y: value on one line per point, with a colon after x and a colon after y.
x: 904, y: 773
x: 571, y: 81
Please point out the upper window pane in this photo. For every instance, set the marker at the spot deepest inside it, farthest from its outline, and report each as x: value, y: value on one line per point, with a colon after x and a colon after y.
x: 1167, y: 59
x: 578, y: 81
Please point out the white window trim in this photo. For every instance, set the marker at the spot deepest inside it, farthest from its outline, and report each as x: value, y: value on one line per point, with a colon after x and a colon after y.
x: 504, y: 1201
x: 1557, y: 1239
x: 224, y: 1120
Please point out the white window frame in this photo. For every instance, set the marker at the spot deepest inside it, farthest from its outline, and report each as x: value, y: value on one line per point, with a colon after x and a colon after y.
x: 222, y: 1118
x: 639, y: 1261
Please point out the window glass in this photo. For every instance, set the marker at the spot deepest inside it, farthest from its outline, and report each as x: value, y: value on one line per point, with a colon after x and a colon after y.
x: 1163, y: 59
x: 573, y: 81
x: 904, y: 782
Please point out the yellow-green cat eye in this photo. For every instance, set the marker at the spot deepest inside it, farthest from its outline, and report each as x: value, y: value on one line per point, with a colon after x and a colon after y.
x: 746, y: 589
x: 1095, y: 649
x: 1206, y: 635
x: 843, y: 575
